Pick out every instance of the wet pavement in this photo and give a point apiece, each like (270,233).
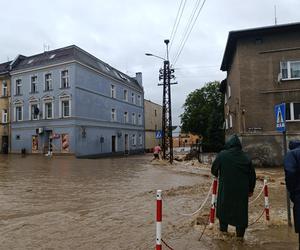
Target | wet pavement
(68,203)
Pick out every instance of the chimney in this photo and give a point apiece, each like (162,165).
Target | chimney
(139,78)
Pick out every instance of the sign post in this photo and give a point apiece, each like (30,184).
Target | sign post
(281,127)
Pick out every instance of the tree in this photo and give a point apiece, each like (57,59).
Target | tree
(204,115)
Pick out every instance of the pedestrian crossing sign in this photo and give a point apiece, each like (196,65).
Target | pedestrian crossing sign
(280,117)
(158,134)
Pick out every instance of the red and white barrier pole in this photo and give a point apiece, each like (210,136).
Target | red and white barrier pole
(213,202)
(158,219)
(267,207)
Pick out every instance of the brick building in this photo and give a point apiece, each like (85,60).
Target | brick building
(263,69)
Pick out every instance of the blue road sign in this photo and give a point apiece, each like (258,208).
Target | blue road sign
(280,117)
(158,134)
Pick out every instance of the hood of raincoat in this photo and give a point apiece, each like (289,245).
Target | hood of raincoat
(294,144)
(233,142)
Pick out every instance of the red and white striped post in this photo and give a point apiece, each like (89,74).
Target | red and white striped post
(266,192)
(158,219)
(213,202)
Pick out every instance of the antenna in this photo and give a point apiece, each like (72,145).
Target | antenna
(275,13)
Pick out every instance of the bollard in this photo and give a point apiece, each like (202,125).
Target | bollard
(266,192)
(213,202)
(158,219)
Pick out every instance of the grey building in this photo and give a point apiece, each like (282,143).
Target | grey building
(68,101)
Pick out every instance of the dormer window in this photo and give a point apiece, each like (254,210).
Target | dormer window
(52,56)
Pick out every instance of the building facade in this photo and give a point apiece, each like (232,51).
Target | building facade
(263,70)
(68,101)
(153,121)
(5,107)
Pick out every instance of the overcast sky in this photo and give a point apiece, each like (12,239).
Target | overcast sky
(120,32)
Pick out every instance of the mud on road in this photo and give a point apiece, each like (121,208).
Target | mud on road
(67,203)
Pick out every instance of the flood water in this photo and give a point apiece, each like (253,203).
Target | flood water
(67,203)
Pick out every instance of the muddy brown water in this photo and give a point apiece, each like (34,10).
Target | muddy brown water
(68,203)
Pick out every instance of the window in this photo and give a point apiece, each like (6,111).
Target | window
(225,98)
(140,119)
(33,85)
(48,82)
(34,111)
(4,116)
(65,108)
(48,110)
(290,70)
(140,140)
(18,87)
(65,79)
(229,91)
(133,98)
(139,99)
(113,115)
(113,93)
(292,111)
(133,140)
(226,123)
(4,88)
(133,118)
(18,113)
(230,121)
(125,95)
(126,117)
(155,112)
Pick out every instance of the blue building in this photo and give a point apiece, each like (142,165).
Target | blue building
(68,101)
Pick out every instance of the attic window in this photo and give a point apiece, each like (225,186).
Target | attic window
(123,77)
(52,56)
(107,68)
(30,61)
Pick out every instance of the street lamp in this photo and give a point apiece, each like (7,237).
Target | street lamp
(165,74)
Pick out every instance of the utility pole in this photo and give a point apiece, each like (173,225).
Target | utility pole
(166,74)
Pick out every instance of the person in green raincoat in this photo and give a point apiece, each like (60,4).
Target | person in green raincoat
(236,184)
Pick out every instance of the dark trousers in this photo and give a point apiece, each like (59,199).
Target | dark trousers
(240,231)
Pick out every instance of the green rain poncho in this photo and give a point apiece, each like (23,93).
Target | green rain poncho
(236,180)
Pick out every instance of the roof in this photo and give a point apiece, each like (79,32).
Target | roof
(71,53)
(4,68)
(233,36)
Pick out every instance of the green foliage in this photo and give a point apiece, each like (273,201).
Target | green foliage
(203,115)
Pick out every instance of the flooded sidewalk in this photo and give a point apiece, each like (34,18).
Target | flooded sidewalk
(68,203)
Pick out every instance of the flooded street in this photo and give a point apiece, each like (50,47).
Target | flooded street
(67,203)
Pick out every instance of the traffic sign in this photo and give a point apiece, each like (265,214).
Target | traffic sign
(280,117)
(158,134)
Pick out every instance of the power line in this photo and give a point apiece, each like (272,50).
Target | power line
(190,31)
(176,24)
(197,3)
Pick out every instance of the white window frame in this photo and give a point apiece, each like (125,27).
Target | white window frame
(229,90)
(125,95)
(292,114)
(18,90)
(133,140)
(230,121)
(226,123)
(125,117)
(113,115)
(16,113)
(140,139)
(140,119)
(4,116)
(112,91)
(64,79)
(63,115)
(48,82)
(33,82)
(44,109)
(4,88)
(133,117)
(288,68)
(31,111)
(133,98)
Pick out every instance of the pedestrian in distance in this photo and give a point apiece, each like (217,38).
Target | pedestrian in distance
(156,152)
(237,180)
(292,180)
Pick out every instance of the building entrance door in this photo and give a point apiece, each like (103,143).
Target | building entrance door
(113,143)
(126,144)
(5,144)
